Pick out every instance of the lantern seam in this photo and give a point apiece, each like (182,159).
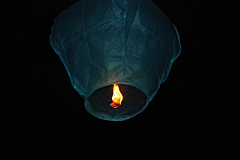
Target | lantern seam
(89,52)
(124,46)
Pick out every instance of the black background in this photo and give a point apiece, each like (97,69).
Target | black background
(193,115)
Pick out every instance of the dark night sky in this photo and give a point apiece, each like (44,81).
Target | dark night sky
(192,115)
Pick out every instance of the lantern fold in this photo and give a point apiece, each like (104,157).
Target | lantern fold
(127,42)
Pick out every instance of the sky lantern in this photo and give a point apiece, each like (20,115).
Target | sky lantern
(116,53)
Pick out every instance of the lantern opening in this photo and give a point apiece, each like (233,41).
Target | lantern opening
(98,103)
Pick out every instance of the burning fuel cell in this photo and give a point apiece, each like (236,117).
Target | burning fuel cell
(116,53)
(117,97)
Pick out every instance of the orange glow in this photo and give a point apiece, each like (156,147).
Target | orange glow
(117,97)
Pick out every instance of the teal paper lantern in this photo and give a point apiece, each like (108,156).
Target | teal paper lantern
(131,43)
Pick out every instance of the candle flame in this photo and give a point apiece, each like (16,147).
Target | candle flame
(117,97)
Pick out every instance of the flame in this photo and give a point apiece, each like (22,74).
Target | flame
(117,97)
